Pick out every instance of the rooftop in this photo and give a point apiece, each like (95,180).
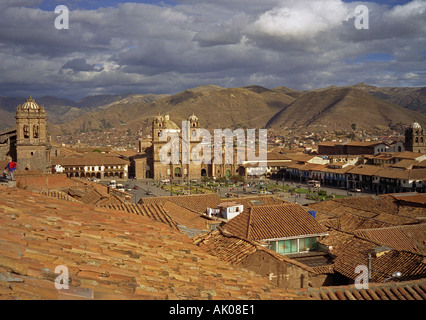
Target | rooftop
(406,290)
(110,254)
(274,221)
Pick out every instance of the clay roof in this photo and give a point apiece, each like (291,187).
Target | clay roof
(109,254)
(234,249)
(274,221)
(365,169)
(156,212)
(354,252)
(406,290)
(185,217)
(363,212)
(248,202)
(197,203)
(410,197)
(410,238)
(89,161)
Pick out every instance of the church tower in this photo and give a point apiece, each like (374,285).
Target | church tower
(415,138)
(32,143)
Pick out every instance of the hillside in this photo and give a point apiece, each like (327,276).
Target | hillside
(248,107)
(339,108)
(410,98)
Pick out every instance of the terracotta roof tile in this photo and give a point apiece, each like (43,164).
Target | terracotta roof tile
(354,251)
(275,221)
(197,203)
(406,290)
(408,237)
(109,254)
(234,249)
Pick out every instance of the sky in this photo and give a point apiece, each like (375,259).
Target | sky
(144,46)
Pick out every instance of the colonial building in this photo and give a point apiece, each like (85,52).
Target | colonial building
(29,144)
(99,166)
(415,138)
(150,163)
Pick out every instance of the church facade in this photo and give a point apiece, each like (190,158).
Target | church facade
(150,163)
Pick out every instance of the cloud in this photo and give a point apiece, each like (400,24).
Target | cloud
(163,49)
(80,64)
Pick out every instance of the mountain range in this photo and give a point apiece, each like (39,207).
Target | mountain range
(334,107)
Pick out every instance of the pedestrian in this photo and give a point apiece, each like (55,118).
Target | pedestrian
(11,166)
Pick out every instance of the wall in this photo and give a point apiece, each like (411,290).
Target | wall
(284,274)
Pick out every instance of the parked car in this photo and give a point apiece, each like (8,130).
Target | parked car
(165,180)
(136,187)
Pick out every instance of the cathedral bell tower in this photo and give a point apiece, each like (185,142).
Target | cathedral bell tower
(32,143)
(415,138)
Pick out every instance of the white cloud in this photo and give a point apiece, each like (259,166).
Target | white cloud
(302,18)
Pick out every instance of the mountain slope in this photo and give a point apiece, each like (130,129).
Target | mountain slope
(339,108)
(216,107)
(410,98)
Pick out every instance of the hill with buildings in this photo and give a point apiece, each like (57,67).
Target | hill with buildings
(254,106)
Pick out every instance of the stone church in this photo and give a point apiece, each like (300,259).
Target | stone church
(148,163)
(28,145)
(415,138)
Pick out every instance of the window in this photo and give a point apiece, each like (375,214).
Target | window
(35,131)
(294,245)
(284,246)
(26,131)
(307,244)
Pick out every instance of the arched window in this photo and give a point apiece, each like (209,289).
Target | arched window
(35,131)
(26,131)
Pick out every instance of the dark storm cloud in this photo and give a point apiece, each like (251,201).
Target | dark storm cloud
(80,64)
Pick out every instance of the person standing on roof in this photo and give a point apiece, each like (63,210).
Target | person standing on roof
(11,166)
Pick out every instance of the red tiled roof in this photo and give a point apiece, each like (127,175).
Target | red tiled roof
(197,203)
(406,290)
(234,249)
(410,238)
(354,252)
(274,221)
(109,254)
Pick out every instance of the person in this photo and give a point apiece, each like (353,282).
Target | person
(11,166)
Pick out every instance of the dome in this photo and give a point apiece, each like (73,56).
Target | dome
(415,125)
(159,118)
(193,118)
(30,104)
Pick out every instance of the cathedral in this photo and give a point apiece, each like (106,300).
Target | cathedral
(28,145)
(149,164)
(415,138)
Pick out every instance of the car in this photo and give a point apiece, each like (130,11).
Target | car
(254,191)
(149,192)
(165,180)
(136,187)
(356,190)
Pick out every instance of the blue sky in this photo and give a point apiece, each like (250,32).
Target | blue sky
(168,46)
(95,4)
